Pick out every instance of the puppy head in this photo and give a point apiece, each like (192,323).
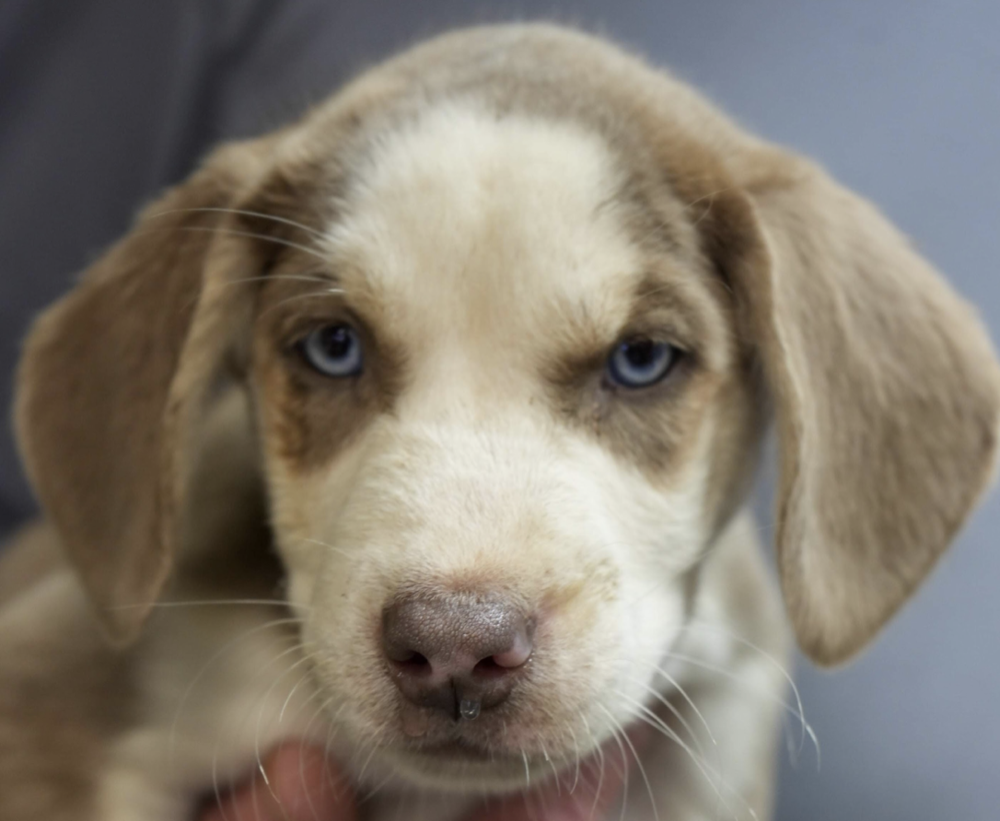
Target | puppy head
(507,308)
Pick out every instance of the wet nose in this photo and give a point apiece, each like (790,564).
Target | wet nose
(455,652)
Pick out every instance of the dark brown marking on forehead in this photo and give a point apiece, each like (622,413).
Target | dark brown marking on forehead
(289,210)
(689,305)
(649,210)
(301,193)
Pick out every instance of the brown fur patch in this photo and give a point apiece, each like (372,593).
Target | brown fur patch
(654,428)
(314,416)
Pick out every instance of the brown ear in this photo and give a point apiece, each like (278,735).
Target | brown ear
(886,392)
(109,378)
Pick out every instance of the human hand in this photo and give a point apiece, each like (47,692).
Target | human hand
(302,785)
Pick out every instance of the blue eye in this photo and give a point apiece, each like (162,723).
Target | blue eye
(638,363)
(333,350)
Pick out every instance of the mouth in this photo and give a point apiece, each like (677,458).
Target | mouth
(489,756)
(458,765)
(460,751)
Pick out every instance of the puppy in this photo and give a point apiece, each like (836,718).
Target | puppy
(429,422)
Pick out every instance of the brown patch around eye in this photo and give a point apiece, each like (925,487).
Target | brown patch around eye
(654,430)
(652,427)
(296,422)
(310,417)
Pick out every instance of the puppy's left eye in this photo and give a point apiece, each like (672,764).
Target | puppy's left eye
(641,362)
(333,350)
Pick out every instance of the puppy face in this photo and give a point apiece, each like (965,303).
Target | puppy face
(486,447)
(489,434)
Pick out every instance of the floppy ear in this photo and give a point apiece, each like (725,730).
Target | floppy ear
(886,392)
(112,377)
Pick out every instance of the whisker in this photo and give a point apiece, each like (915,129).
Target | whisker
(305,735)
(260,711)
(576,752)
(683,693)
(238,730)
(331,735)
(717,628)
(642,772)
(807,728)
(371,755)
(698,625)
(248,234)
(370,795)
(298,646)
(614,727)
(335,549)
(302,741)
(677,713)
(242,212)
(328,292)
(601,763)
(552,765)
(707,771)
(303,277)
(205,603)
(291,693)
(270,625)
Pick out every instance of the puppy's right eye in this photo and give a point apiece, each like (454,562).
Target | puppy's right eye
(639,363)
(333,350)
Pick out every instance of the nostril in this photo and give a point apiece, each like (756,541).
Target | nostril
(488,667)
(509,660)
(413,663)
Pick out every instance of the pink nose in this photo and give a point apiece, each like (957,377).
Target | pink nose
(456,652)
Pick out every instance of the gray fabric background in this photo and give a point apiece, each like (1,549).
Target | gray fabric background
(102,102)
